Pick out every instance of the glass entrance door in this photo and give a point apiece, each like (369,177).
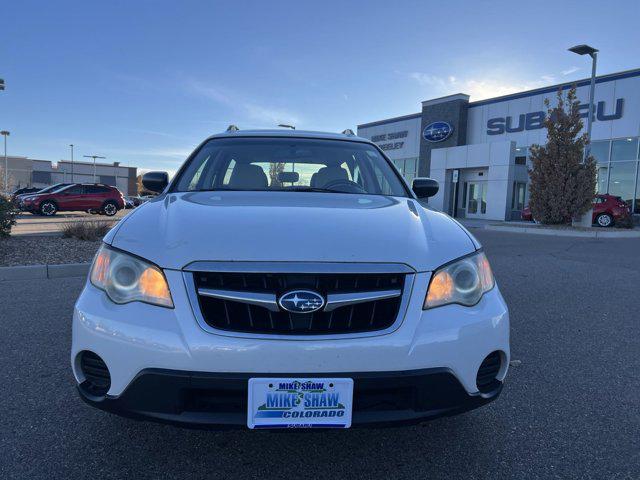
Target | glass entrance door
(476,199)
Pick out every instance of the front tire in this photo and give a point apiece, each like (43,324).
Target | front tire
(604,220)
(48,209)
(110,209)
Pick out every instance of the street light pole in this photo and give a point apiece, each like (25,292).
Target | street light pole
(587,219)
(94,164)
(593,53)
(71,145)
(592,106)
(5,134)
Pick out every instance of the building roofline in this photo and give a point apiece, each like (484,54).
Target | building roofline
(82,162)
(390,120)
(448,98)
(609,77)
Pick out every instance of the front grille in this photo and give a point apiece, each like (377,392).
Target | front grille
(371,393)
(237,316)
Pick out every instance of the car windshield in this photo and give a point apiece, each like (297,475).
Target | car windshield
(61,188)
(52,188)
(289,164)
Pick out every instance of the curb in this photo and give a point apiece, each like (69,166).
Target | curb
(35,272)
(596,233)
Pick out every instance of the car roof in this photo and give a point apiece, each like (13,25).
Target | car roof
(287,133)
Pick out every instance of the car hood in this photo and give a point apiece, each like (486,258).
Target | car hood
(176,229)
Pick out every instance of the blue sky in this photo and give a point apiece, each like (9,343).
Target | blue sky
(143,82)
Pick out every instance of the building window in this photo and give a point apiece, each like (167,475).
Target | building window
(521,155)
(602,177)
(600,151)
(408,168)
(519,195)
(624,149)
(622,180)
(464,195)
(41,177)
(618,169)
(108,180)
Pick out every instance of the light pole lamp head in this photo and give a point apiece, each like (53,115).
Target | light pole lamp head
(584,50)
(5,133)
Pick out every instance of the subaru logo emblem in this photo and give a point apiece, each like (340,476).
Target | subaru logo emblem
(437,131)
(301,301)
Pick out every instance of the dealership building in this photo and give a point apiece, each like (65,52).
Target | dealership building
(479,151)
(31,172)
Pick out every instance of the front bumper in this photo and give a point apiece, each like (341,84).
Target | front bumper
(140,343)
(198,399)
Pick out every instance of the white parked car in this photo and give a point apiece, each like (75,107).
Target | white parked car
(288,279)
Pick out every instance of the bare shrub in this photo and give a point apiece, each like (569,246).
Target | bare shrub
(86,229)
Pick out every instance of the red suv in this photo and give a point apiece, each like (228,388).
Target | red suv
(607,210)
(93,197)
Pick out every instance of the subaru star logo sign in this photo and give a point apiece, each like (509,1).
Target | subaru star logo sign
(301,301)
(437,131)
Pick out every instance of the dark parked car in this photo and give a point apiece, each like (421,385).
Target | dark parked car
(22,191)
(93,197)
(19,198)
(607,210)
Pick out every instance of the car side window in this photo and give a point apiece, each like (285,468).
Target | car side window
(227,175)
(95,189)
(195,181)
(75,190)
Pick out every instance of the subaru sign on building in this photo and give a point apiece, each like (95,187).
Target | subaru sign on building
(487,144)
(437,131)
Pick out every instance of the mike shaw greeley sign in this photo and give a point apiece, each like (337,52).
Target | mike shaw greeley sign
(392,140)
(534,120)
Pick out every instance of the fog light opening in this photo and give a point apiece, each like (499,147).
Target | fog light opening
(486,380)
(97,379)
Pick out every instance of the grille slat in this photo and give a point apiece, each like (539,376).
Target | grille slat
(233,315)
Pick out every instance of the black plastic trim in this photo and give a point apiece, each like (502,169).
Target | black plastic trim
(163,396)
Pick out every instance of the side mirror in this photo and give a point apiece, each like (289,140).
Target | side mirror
(425,187)
(155,181)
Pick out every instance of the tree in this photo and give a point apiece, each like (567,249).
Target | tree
(7,216)
(275,169)
(563,182)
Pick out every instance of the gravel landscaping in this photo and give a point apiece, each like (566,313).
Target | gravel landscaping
(36,250)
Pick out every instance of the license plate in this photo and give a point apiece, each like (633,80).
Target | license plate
(300,402)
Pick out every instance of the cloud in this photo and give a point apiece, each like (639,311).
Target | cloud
(569,71)
(476,88)
(244,108)
(431,80)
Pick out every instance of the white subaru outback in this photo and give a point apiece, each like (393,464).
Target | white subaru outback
(289,279)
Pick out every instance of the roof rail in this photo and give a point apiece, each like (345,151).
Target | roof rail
(232,128)
(348,131)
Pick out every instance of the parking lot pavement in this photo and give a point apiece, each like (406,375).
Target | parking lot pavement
(570,409)
(28,224)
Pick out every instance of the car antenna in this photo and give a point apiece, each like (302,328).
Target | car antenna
(284,125)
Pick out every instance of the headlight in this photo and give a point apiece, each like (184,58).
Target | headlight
(463,281)
(126,278)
